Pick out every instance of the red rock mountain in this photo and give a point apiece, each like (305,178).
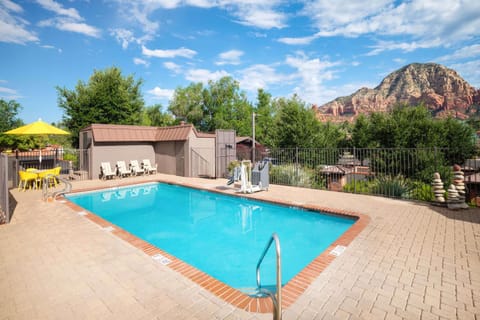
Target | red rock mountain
(439,88)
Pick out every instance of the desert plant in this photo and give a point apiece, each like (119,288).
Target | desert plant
(391,186)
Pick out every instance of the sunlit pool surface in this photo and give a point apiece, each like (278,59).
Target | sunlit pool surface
(221,235)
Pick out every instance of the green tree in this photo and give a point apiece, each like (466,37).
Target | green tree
(153,116)
(295,125)
(219,106)
(9,120)
(226,107)
(187,104)
(265,118)
(108,97)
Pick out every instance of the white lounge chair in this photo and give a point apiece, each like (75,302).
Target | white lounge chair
(135,168)
(147,166)
(122,170)
(106,171)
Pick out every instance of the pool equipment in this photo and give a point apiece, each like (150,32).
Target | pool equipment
(252,180)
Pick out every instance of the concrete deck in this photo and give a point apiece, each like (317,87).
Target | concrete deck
(411,261)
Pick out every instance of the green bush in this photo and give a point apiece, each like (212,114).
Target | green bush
(291,175)
(359,186)
(391,186)
(421,191)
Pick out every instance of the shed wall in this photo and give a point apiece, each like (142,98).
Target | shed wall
(113,152)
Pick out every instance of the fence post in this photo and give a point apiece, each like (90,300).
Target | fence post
(354,171)
(296,164)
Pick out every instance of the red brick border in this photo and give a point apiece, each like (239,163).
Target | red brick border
(290,292)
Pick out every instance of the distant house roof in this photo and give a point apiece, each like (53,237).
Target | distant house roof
(336,170)
(129,133)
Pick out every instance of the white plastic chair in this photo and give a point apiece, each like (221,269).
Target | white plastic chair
(147,166)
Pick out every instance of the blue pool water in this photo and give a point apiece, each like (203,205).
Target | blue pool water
(221,235)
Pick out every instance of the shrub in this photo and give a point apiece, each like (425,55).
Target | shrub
(421,191)
(359,186)
(291,175)
(391,186)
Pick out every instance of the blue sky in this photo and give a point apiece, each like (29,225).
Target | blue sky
(319,49)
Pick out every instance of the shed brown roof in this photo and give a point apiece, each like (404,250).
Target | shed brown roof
(115,133)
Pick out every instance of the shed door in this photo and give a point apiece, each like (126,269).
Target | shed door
(180,159)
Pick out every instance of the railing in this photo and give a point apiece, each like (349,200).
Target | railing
(53,195)
(276,299)
(395,172)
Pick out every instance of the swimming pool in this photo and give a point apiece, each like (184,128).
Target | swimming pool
(219,234)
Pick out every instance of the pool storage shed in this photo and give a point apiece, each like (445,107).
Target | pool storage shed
(180,150)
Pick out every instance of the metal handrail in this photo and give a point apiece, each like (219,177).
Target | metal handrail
(45,193)
(277,300)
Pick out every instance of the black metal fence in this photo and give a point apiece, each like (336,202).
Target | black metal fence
(398,173)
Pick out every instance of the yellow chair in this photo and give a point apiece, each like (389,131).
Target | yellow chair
(26,178)
(50,175)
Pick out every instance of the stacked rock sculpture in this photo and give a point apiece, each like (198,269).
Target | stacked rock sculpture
(458,181)
(437,186)
(452,194)
(456,191)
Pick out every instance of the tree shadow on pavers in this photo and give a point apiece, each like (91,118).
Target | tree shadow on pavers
(471,215)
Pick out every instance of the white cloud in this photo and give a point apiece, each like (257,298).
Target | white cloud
(382,46)
(66,19)
(259,14)
(8,93)
(158,53)
(204,75)
(161,94)
(312,73)
(229,57)
(78,27)
(421,23)
(261,76)
(297,41)
(172,66)
(58,9)
(469,71)
(123,36)
(463,53)
(14,29)
(139,61)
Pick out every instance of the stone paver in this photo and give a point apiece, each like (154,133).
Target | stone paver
(412,261)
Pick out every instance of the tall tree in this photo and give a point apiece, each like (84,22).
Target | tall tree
(264,120)
(295,125)
(108,97)
(187,104)
(153,116)
(226,107)
(9,120)
(221,105)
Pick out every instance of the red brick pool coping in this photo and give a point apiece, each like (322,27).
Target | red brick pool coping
(290,292)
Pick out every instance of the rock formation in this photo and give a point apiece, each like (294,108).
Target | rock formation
(456,191)
(439,88)
(437,186)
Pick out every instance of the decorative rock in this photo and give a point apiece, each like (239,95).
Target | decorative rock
(456,191)
(437,188)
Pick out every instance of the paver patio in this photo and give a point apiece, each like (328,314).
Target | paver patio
(412,261)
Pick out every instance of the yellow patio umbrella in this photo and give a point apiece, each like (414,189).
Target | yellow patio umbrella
(38,128)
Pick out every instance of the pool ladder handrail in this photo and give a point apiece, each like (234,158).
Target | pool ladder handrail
(53,195)
(276,298)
